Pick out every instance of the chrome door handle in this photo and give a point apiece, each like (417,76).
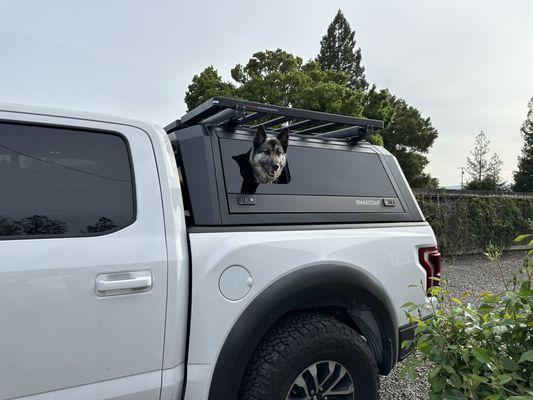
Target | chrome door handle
(123,283)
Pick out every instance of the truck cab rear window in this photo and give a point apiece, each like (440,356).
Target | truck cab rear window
(63,182)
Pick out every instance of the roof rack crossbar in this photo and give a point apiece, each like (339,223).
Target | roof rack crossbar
(198,114)
(352,133)
(227,116)
(301,124)
(251,117)
(317,129)
(221,117)
(274,122)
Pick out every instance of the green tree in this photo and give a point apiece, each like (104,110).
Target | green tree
(278,77)
(523,178)
(270,77)
(409,137)
(206,85)
(377,105)
(484,169)
(486,183)
(338,52)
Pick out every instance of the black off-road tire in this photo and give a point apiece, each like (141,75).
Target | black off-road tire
(297,342)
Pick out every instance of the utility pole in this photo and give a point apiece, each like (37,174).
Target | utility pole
(462,177)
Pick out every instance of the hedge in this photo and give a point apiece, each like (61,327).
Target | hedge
(466,221)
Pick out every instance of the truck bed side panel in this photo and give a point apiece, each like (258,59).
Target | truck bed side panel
(387,254)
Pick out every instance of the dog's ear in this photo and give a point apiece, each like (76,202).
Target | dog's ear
(260,136)
(283,138)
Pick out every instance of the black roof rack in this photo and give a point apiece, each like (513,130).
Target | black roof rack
(222,111)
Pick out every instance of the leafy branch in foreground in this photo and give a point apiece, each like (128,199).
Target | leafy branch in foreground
(481,349)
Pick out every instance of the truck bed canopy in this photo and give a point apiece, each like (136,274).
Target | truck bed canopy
(332,175)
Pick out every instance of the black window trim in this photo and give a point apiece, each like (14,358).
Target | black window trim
(79,129)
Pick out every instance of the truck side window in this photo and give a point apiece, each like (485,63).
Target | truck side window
(63,182)
(314,171)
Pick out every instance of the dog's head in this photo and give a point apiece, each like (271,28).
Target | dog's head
(268,157)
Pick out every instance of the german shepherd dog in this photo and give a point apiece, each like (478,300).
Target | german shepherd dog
(265,161)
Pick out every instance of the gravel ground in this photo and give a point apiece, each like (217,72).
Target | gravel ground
(471,273)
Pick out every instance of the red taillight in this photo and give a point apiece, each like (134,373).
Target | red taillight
(430,259)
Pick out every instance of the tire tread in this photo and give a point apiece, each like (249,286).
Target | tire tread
(293,333)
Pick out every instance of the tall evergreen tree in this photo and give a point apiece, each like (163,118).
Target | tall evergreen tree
(523,178)
(338,52)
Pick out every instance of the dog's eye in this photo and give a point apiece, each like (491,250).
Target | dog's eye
(267,152)
(278,152)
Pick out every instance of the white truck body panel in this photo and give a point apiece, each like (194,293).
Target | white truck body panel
(387,254)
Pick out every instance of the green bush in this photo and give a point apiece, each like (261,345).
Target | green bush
(482,350)
(467,223)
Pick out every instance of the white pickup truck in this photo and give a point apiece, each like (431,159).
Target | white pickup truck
(134,267)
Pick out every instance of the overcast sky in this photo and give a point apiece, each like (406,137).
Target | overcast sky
(466,64)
